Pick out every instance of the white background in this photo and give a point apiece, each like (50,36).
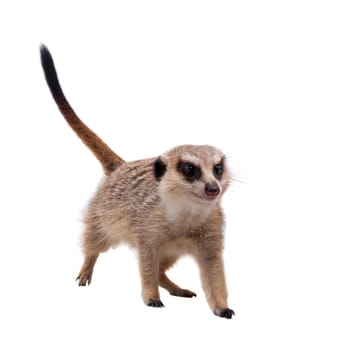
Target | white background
(268,82)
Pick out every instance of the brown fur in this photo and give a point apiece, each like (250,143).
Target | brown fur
(154,207)
(102,152)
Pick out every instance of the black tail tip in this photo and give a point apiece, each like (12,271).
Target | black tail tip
(45,54)
(43,47)
(50,72)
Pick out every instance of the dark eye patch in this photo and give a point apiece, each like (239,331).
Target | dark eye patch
(190,171)
(218,170)
(159,169)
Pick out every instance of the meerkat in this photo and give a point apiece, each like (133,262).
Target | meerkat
(164,207)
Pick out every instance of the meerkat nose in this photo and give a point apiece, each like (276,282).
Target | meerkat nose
(212,189)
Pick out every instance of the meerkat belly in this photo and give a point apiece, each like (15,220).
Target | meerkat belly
(177,247)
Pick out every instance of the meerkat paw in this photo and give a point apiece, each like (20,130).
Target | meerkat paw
(155,303)
(185,293)
(84,279)
(225,313)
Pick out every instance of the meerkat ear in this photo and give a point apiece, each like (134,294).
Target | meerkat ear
(159,168)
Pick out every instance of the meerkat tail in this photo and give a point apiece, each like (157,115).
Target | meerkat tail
(102,152)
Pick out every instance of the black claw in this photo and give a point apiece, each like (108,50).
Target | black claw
(83,283)
(155,303)
(225,313)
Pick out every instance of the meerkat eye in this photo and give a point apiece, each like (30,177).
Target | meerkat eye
(218,169)
(190,171)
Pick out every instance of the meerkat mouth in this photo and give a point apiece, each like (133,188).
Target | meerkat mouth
(205,198)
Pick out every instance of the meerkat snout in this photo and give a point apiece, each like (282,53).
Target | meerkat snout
(212,189)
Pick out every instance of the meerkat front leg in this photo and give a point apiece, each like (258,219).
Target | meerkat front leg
(213,280)
(149,270)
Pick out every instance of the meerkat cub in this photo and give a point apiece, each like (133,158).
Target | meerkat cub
(164,207)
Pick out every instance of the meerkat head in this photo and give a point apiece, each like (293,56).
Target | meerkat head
(193,173)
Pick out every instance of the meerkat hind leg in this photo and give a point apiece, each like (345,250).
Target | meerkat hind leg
(85,274)
(94,243)
(174,289)
(170,286)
